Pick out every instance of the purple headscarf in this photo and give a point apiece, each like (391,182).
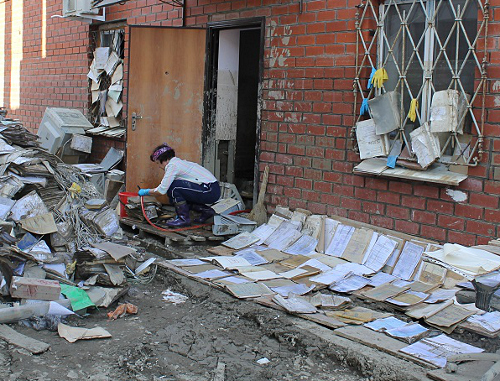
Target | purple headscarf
(156,154)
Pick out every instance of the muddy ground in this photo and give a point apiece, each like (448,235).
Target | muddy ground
(186,341)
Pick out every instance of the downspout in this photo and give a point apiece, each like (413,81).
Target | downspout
(184,13)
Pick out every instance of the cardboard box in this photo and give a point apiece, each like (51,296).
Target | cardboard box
(31,288)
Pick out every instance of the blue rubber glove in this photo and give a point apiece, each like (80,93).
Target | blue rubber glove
(370,84)
(144,192)
(364,107)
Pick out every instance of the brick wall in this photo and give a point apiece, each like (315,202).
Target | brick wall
(307,112)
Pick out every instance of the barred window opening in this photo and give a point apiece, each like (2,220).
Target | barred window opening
(433,52)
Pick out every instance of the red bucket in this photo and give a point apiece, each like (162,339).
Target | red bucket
(123,201)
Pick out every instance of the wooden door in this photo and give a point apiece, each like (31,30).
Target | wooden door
(165,98)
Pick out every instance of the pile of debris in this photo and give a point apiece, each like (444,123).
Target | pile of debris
(56,233)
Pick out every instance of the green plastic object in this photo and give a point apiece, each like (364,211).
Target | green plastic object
(78,297)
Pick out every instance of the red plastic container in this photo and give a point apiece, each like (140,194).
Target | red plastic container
(123,201)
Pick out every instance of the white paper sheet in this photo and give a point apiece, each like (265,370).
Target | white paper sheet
(186,262)
(304,245)
(297,289)
(441,295)
(355,268)
(212,274)
(250,254)
(316,264)
(380,253)
(263,232)
(381,278)
(383,324)
(475,261)
(329,277)
(230,262)
(408,260)
(437,349)
(340,240)
(349,284)
(490,321)
(407,331)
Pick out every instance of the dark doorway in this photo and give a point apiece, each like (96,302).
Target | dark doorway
(232,120)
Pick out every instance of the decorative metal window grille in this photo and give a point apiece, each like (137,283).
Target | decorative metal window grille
(426,46)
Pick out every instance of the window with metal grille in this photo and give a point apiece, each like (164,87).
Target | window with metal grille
(427,48)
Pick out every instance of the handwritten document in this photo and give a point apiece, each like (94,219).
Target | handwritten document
(380,253)
(340,240)
(408,260)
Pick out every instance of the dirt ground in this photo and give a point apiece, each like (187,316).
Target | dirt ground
(187,341)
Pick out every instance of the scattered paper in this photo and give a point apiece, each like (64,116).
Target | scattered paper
(381,278)
(186,262)
(409,332)
(248,290)
(384,291)
(294,305)
(340,240)
(408,260)
(251,255)
(174,297)
(73,334)
(241,240)
(297,289)
(304,245)
(263,361)
(212,274)
(227,262)
(349,284)
(380,253)
(384,324)
(490,321)
(437,349)
(40,224)
(328,277)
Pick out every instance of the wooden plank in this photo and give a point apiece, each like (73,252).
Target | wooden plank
(20,340)
(164,264)
(171,236)
(379,341)
(323,320)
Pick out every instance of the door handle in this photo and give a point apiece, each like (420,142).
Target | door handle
(134,119)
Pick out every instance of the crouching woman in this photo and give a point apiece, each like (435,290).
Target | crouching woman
(188,185)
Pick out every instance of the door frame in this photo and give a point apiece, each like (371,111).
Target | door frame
(209,102)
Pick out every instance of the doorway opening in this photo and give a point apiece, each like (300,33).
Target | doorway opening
(232,120)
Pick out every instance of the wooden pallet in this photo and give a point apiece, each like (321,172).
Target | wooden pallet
(197,235)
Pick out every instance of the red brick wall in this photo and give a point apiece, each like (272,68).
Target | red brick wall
(306,114)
